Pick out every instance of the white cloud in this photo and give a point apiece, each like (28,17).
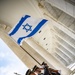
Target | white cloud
(11,63)
(2,55)
(11,68)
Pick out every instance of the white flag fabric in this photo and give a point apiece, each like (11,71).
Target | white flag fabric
(26,27)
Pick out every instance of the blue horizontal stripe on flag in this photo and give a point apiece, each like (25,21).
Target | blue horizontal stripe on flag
(18,25)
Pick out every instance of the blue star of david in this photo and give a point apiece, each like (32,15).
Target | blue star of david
(27,27)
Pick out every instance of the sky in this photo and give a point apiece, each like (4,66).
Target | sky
(9,62)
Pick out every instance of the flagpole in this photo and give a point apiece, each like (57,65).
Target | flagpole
(30,55)
(26,23)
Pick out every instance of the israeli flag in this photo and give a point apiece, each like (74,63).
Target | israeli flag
(26,27)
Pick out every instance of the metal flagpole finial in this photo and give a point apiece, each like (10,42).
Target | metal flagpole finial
(16,73)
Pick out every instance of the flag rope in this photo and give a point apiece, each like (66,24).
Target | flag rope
(30,55)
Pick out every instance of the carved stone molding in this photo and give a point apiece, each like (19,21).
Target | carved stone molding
(5,27)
